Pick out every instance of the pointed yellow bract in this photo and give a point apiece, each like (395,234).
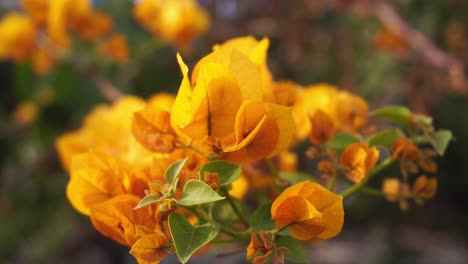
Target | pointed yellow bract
(117,218)
(151,248)
(17,37)
(225,103)
(310,210)
(152,128)
(359,159)
(179,22)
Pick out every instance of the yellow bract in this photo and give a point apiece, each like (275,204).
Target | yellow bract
(224,102)
(151,248)
(17,37)
(359,159)
(311,210)
(179,22)
(348,112)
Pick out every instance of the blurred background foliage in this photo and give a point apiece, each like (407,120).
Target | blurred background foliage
(342,42)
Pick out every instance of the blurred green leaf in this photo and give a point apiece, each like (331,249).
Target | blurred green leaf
(261,218)
(395,113)
(341,140)
(296,177)
(384,138)
(441,140)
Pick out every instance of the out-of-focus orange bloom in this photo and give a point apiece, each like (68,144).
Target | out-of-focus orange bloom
(106,129)
(179,22)
(151,248)
(404,149)
(152,127)
(117,218)
(226,105)
(43,61)
(310,209)
(116,47)
(359,159)
(25,113)
(64,15)
(322,127)
(425,187)
(37,10)
(348,112)
(17,37)
(239,188)
(384,39)
(93,25)
(392,188)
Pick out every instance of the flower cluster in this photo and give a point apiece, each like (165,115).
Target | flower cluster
(168,174)
(45,31)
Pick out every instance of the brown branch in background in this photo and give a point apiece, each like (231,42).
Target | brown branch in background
(418,41)
(104,86)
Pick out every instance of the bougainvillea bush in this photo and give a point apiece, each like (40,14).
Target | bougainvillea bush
(235,157)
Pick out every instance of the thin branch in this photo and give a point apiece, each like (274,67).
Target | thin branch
(433,55)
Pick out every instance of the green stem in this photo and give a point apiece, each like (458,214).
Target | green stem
(372,191)
(356,187)
(272,167)
(234,207)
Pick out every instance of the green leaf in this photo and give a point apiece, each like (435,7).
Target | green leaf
(395,113)
(197,192)
(187,238)
(384,138)
(296,177)
(173,171)
(261,218)
(228,172)
(441,140)
(222,212)
(341,140)
(298,253)
(149,199)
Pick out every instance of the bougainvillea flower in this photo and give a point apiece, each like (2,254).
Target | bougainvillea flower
(152,127)
(97,177)
(359,159)
(349,112)
(392,188)
(43,61)
(322,127)
(179,22)
(116,47)
(64,15)
(36,9)
(151,248)
(310,210)
(404,149)
(227,106)
(425,187)
(93,25)
(251,52)
(262,130)
(117,218)
(17,37)
(106,129)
